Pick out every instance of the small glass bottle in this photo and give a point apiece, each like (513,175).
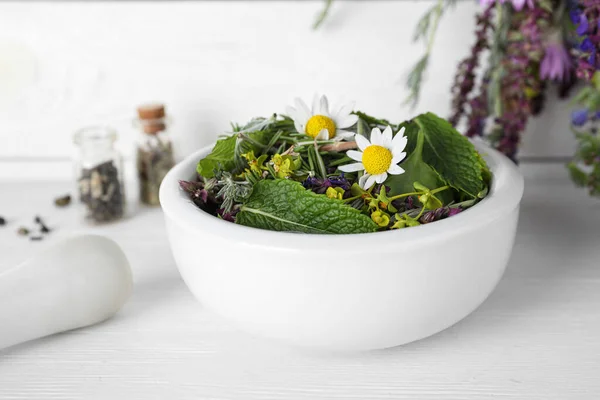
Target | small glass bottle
(99,171)
(154,151)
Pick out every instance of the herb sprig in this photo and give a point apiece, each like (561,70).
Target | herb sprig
(266,174)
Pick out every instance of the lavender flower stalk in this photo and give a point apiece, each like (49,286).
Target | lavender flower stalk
(521,83)
(556,64)
(585,14)
(517,4)
(466,75)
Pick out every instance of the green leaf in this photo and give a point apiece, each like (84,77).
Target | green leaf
(227,153)
(486,174)
(416,169)
(284,205)
(222,156)
(579,177)
(450,154)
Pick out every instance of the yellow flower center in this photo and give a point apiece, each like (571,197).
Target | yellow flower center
(317,123)
(376,159)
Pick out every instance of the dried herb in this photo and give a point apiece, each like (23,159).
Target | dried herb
(101,192)
(62,201)
(154,160)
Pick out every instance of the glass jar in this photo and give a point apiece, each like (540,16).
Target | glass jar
(99,172)
(154,151)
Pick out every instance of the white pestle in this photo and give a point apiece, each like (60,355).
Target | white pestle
(78,282)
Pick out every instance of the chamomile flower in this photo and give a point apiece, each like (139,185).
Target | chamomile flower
(319,123)
(378,157)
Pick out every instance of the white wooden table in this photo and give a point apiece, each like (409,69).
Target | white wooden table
(536,337)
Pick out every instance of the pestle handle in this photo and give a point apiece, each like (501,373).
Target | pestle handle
(78,282)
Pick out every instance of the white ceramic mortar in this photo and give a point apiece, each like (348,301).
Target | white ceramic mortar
(345,292)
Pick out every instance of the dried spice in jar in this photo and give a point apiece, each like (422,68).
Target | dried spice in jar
(99,174)
(154,151)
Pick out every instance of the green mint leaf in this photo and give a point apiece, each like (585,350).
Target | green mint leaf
(221,156)
(416,169)
(450,154)
(285,205)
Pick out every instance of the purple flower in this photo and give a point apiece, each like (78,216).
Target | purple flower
(320,186)
(227,216)
(575,15)
(517,4)
(579,117)
(586,45)
(454,211)
(583,26)
(195,190)
(556,64)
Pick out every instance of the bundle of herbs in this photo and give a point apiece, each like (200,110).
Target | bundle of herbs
(316,171)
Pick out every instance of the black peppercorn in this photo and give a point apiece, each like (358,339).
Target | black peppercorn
(2,221)
(43,228)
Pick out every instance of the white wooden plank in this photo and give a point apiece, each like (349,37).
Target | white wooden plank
(537,337)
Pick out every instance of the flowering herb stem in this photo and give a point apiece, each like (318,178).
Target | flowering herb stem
(403,195)
(319,162)
(323,14)
(440,189)
(311,160)
(426,29)
(275,183)
(420,214)
(274,139)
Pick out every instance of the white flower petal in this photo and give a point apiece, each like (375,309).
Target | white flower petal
(343,135)
(346,121)
(345,110)
(376,137)
(362,142)
(363,180)
(324,109)
(398,157)
(395,170)
(299,127)
(387,137)
(323,135)
(370,182)
(355,155)
(315,105)
(291,111)
(400,132)
(399,144)
(297,116)
(302,109)
(352,167)
(381,177)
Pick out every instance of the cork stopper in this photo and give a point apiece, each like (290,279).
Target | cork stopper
(152,118)
(151,111)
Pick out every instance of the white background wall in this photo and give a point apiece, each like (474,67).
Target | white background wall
(66,65)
